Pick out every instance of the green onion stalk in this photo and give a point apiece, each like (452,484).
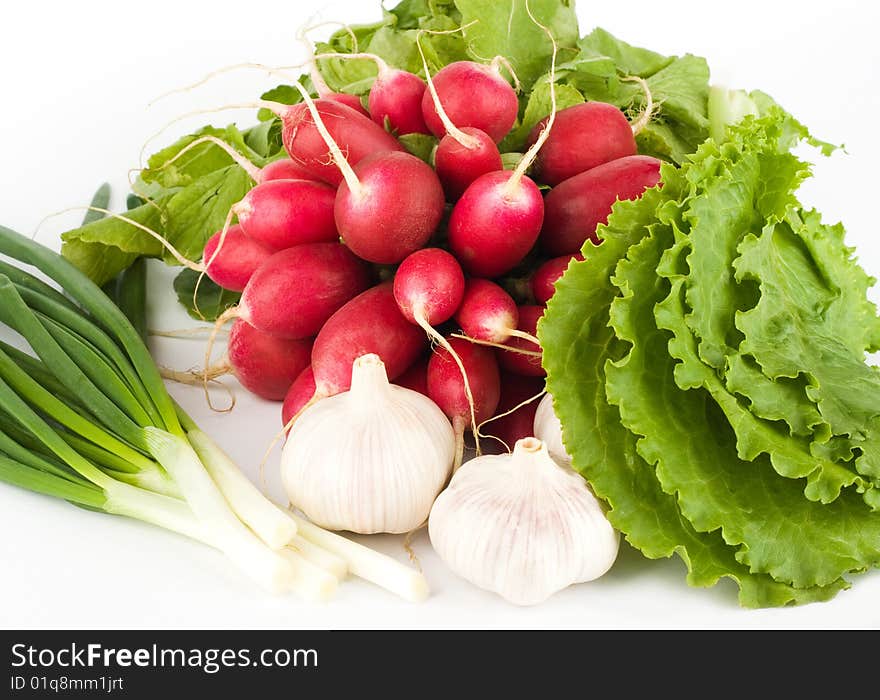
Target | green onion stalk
(86,417)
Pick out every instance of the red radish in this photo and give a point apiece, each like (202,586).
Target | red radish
(348,100)
(497,220)
(576,207)
(283,169)
(447,389)
(357,136)
(395,96)
(389,206)
(264,364)
(475,95)
(519,401)
(369,323)
(300,393)
(462,154)
(519,362)
(487,312)
(295,291)
(459,163)
(416,377)
(584,136)
(428,288)
(284,213)
(232,265)
(544,278)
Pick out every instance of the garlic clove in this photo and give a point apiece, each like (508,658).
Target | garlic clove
(521,525)
(548,429)
(371,459)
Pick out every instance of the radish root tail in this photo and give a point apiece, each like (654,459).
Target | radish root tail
(648,112)
(176,254)
(507,413)
(501,346)
(199,377)
(228,315)
(207,264)
(446,345)
(280,70)
(466,140)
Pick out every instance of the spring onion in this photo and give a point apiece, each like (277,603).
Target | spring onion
(85,416)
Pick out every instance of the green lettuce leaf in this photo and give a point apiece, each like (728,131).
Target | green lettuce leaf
(655,396)
(578,341)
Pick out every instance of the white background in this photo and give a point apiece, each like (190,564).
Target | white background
(76,79)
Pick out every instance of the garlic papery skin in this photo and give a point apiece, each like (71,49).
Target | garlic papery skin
(548,430)
(371,459)
(522,525)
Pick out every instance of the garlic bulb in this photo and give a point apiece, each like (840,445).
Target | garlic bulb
(548,429)
(371,459)
(521,525)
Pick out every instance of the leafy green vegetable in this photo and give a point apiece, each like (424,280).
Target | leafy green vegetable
(211,300)
(505,29)
(712,349)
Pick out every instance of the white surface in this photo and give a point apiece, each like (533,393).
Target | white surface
(76,80)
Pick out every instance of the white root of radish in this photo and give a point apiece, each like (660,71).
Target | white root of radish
(648,112)
(509,412)
(502,346)
(253,171)
(201,378)
(271,70)
(436,337)
(176,254)
(499,61)
(466,140)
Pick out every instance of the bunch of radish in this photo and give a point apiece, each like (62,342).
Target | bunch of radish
(353,246)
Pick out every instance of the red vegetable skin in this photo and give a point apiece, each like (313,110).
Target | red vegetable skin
(237,259)
(429,282)
(486,311)
(284,213)
(369,323)
(348,100)
(583,136)
(472,94)
(294,292)
(299,394)
(394,211)
(283,169)
(493,226)
(517,363)
(446,385)
(575,208)
(358,137)
(264,364)
(520,424)
(544,278)
(396,96)
(458,166)
(416,377)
